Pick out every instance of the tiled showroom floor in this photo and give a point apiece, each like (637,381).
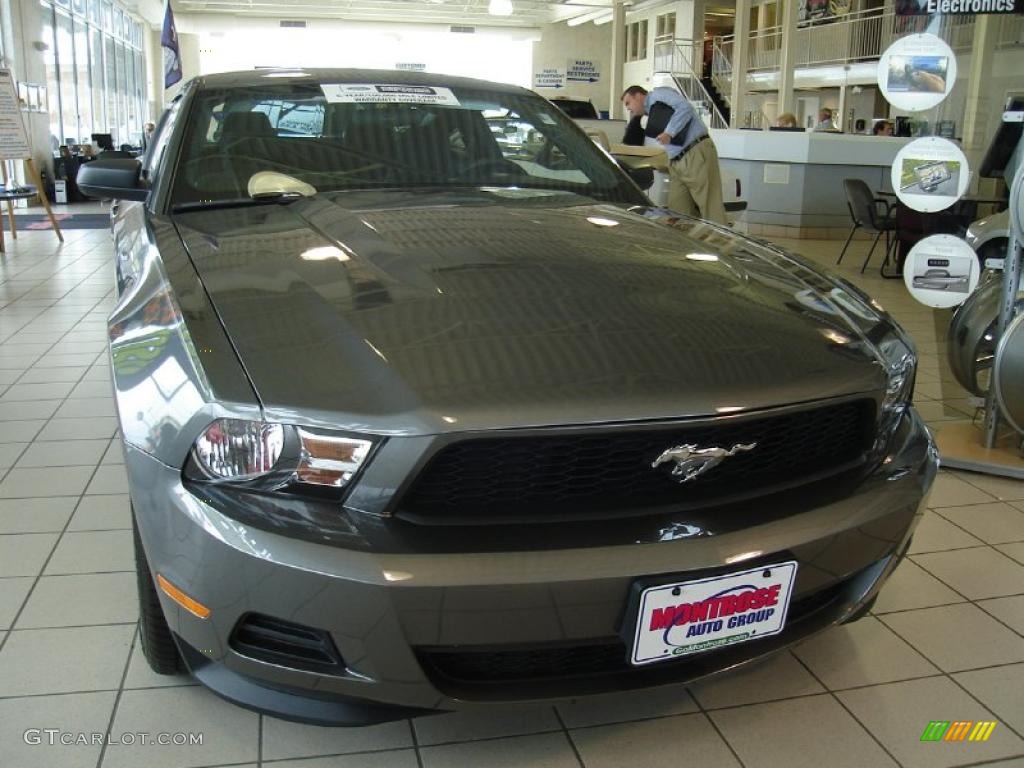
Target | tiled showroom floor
(946,641)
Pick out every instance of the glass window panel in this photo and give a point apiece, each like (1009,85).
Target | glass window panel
(118,22)
(122,97)
(78,6)
(110,84)
(52,86)
(66,66)
(99,120)
(140,89)
(132,102)
(108,16)
(85,119)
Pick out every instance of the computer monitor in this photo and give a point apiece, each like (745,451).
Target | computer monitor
(103,140)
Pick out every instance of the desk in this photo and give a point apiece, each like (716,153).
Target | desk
(23,193)
(793,181)
(912,226)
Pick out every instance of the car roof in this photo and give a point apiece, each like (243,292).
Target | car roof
(254,77)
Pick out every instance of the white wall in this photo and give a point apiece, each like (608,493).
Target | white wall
(689,26)
(559,43)
(227,43)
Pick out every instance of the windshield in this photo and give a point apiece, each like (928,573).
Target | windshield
(341,136)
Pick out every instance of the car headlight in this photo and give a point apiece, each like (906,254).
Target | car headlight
(900,361)
(891,346)
(268,456)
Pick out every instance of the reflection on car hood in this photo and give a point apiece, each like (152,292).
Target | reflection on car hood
(438,311)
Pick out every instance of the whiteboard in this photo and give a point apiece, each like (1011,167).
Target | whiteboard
(13,138)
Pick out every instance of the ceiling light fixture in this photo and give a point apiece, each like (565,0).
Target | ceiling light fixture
(500,7)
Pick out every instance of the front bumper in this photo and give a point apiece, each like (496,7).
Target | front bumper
(409,626)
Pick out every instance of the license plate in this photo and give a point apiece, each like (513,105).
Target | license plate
(692,616)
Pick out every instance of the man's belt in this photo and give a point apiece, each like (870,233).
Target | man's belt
(690,146)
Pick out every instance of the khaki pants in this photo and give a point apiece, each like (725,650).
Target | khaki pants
(695,184)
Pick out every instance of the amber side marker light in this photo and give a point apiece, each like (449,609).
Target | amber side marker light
(186,602)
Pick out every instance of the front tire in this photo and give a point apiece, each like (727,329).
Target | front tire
(158,645)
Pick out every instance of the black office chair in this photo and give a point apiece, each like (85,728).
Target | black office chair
(866,215)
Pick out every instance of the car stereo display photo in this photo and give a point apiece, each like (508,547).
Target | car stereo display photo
(929,177)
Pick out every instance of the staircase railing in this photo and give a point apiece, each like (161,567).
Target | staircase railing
(859,36)
(721,70)
(683,60)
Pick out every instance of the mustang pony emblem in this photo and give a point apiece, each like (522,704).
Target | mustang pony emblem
(692,462)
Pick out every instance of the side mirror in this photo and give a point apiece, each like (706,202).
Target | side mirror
(117,178)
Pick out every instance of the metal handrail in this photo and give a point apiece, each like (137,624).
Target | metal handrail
(679,57)
(858,36)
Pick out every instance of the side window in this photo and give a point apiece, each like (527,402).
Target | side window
(528,145)
(154,160)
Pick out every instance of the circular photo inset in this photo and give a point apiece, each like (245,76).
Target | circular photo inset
(917,72)
(941,271)
(930,174)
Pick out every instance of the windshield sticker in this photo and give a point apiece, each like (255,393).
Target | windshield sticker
(352,93)
(546,118)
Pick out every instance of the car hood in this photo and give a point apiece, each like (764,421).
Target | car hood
(400,313)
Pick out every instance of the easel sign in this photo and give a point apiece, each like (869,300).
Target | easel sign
(14,145)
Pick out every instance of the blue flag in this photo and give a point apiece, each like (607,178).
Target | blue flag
(169,44)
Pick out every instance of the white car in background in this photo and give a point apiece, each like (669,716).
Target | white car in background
(990,236)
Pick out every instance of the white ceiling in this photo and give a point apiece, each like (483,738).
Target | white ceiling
(463,12)
(527,13)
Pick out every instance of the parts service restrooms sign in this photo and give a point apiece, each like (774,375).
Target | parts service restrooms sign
(957,7)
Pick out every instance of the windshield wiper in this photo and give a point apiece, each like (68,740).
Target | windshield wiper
(238,202)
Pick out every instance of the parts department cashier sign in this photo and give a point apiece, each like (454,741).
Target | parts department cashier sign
(13,138)
(360,93)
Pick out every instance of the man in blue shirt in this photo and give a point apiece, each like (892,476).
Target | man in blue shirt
(695,184)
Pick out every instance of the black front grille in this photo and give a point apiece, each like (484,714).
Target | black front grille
(602,471)
(277,641)
(463,670)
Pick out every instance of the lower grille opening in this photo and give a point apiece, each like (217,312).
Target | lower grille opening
(277,641)
(464,670)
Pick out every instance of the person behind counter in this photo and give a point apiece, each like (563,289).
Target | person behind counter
(825,120)
(786,120)
(882,128)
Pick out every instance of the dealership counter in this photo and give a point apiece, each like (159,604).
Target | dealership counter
(793,181)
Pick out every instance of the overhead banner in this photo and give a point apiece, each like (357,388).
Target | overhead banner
(810,10)
(957,7)
(171,51)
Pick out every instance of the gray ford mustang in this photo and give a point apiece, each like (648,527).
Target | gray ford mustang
(425,406)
